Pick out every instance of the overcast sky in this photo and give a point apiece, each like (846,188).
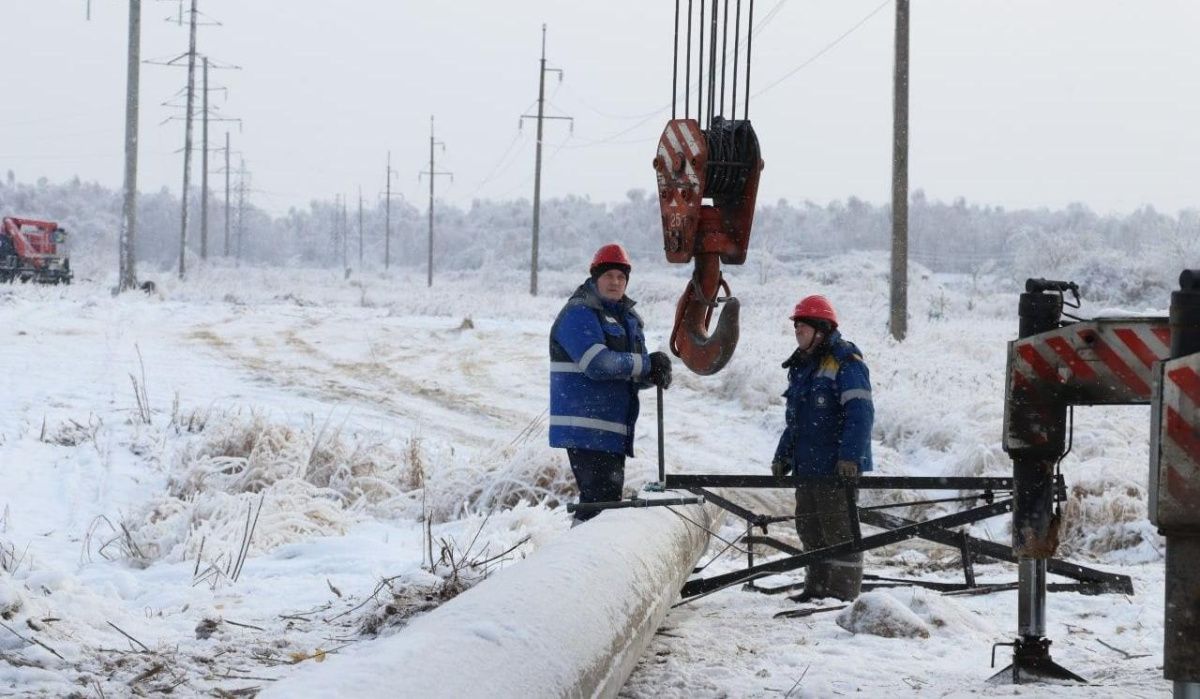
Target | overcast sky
(1014,102)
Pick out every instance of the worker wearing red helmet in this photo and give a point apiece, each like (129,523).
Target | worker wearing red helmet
(598,363)
(828,433)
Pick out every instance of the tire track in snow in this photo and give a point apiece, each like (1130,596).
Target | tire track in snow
(462,416)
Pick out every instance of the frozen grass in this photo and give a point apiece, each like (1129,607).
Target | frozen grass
(317,480)
(939,399)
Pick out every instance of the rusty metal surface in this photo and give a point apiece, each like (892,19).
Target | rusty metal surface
(680,169)
(705,353)
(1097,362)
(1035,526)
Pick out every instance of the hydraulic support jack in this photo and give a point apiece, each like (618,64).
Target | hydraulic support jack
(1053,366)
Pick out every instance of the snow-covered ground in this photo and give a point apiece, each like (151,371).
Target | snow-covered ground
(205,488)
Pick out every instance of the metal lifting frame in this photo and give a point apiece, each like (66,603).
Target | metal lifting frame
(938,530)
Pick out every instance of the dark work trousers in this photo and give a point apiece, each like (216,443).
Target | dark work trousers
(823,519)
(600,476)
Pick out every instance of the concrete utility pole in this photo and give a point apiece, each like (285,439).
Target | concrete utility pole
(241,205)
(189,114)
(360,230)
(126,272)
(187,141)
(345,237)
(537,168)
(227,173)
(433,173)
(387,219)
(204,169)
(335,235)
(899,290)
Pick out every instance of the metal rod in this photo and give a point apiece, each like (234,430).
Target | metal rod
(662,462)
(749,44)
(696,587)
(1111,581)
(727,505)
(737,30)
(724,52)
(1031,597)
(995,483)
(700,69)
(582,507)
(687,71)
(675,65)
(712,66)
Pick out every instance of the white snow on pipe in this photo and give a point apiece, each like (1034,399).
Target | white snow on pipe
(569,621)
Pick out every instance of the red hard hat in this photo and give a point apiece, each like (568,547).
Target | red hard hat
(817,307)
(611,254)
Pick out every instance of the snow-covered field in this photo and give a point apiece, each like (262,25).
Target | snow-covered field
(203,489)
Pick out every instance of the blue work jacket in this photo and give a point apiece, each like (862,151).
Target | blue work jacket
(598,363)
(829,410)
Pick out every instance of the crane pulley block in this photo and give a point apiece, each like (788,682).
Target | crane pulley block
(721,164)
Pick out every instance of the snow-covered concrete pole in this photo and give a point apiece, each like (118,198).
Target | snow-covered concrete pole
(570,621)
(127,272)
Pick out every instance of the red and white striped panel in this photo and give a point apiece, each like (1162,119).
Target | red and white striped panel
(1175,463)
(1094,362)
(682,141)
(682,152)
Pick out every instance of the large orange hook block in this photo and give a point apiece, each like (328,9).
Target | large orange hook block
(720,165)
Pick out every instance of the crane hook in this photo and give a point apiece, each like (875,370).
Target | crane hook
(705,353)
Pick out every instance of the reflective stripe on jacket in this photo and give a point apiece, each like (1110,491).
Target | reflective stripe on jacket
(829,411)
(598,362)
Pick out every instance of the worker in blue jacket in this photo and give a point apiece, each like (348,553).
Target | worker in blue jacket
(598,363)
(828,434)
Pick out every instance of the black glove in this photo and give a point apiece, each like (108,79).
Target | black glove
(780,468)
(660,370)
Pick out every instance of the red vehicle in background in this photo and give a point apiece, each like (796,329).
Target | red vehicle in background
(31,250)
